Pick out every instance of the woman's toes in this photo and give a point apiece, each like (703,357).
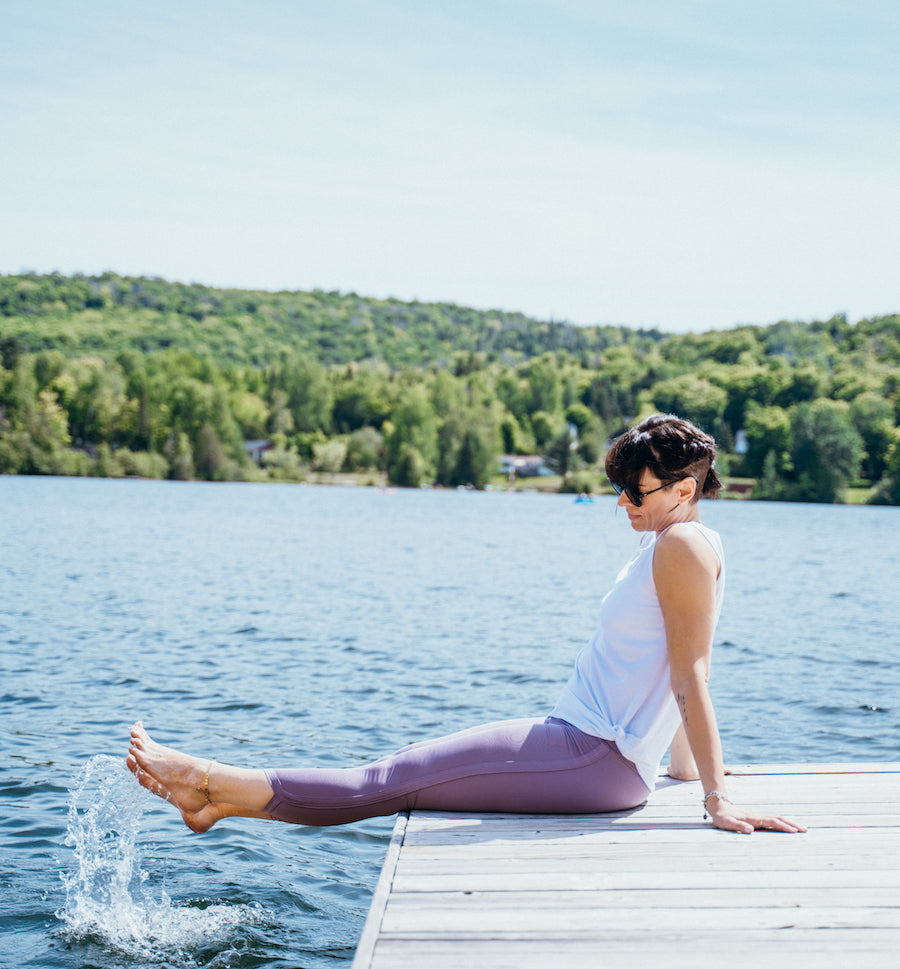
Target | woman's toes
(152,784)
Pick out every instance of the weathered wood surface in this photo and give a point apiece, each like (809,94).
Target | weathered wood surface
(518,891)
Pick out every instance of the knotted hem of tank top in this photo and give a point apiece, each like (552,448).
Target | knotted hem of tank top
(601,751)
(621,734)
(615,733)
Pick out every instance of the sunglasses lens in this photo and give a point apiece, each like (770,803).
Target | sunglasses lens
(619,489)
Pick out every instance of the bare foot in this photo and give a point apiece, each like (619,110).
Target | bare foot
(167,772)
(185,782)
(198,821)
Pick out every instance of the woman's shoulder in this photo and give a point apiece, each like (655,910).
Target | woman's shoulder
(687,542)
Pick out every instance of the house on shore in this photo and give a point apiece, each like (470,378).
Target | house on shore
(256,449)
(523,466)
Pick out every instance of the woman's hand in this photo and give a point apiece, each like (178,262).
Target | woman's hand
(729,817)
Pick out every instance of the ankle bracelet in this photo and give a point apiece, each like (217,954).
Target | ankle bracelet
(206,782)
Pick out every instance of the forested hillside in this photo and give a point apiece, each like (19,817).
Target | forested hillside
(109,313)
(115,376)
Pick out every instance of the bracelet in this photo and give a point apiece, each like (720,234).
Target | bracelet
(721,795)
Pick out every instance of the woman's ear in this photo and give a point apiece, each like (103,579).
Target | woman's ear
(686,489)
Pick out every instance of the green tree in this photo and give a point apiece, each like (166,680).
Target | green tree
(330,455)
(145,430)
(34,434)
(745,383)
(412,439)
(771,485)
(107,463)
(888,490)
(451,435)
(805,383)
(515,439)
(49,425)
(210,460)
(250,412)
(691,397)
(10,351)
(361,399)
(612,401)
(544,386)
(309,393)
(768,431)
(873,418)
(591,433)
(561,455)
(408,468)
(94,395)
(478,455)
(281,421)
(448,394)
(826,450)
(512,391)
(180,455)
(469,446)
(364,449)
(545,427)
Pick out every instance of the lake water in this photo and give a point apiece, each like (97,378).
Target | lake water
(270,625)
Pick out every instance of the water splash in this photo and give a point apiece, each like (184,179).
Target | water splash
(107,890)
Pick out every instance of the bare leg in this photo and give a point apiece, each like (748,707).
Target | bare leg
(204,791)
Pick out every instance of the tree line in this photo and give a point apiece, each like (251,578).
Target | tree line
(116,376)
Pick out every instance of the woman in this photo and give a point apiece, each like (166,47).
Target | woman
(637,688)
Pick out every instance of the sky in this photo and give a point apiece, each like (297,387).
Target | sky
(680,164)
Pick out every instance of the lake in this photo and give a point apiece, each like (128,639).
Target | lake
(267,624)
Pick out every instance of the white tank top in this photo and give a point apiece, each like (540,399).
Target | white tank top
(620,689)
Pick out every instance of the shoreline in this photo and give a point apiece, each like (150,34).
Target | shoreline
(735,489)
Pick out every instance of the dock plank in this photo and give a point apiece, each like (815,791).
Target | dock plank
(491,891)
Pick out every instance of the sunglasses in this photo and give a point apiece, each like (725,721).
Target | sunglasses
(636,497)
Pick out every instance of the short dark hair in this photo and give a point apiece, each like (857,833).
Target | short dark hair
(670,448)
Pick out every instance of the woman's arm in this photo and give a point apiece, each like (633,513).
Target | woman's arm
(685,569)
(682,765)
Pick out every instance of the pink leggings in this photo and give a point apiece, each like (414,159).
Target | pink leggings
(514,766)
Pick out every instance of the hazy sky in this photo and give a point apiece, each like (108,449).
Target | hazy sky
(686,165)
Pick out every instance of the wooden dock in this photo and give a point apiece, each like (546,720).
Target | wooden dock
(653,885)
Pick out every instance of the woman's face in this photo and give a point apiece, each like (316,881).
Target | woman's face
(661,504)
